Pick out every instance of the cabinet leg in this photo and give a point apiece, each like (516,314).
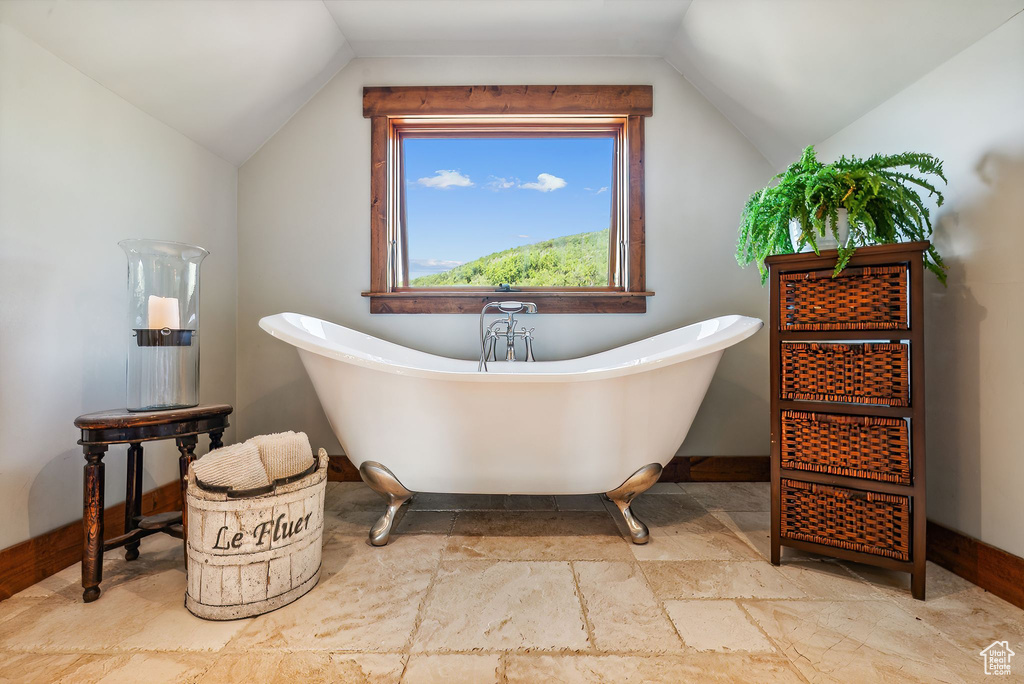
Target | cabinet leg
(187,447)
(917,584)
(775,541)
(133,497)
(216,439)
(92,523)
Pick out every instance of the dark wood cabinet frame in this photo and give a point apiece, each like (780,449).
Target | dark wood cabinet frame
(876,255)
(617,111)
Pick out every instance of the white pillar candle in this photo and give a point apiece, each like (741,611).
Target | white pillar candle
(163,313)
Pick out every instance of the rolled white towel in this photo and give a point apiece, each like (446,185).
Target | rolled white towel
(284,454)
(237,467)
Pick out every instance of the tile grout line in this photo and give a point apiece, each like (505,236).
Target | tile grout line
(503,667)
(583,607)
(217,655)
(451,529)
(757,625)
(659,600)
(743,538)
(405,666)
(418,622)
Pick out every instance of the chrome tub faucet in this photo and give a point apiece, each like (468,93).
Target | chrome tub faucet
(506,328)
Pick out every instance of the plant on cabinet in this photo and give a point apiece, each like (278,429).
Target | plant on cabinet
(877,200)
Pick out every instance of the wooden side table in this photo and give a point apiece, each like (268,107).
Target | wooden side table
(120,426)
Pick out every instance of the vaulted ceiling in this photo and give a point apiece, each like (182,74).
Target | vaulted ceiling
(229,73)
(789,73)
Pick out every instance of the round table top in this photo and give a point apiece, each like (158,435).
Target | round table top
(123,418)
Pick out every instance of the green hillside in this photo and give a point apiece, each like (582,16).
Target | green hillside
(574,260)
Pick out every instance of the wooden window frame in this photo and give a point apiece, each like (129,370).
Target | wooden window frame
(563,111)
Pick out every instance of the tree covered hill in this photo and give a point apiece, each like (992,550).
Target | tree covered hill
(579,260)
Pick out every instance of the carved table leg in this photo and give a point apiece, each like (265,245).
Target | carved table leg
(92,523)
(216,441)
(133,498)
(187,447)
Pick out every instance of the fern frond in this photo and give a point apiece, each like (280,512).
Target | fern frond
(880,194)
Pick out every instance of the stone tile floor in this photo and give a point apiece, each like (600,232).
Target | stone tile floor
(523,589)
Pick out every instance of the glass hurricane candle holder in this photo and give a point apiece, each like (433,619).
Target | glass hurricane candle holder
(163,324)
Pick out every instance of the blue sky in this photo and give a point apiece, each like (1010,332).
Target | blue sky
(470,197)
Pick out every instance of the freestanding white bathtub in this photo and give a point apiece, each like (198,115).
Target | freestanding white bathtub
(416,422)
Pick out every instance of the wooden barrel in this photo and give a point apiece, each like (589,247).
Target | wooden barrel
(249,556)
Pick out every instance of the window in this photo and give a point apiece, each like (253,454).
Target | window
(518,210)
(482,191)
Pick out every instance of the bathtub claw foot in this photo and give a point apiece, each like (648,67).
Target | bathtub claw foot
(636,484)
(384,482)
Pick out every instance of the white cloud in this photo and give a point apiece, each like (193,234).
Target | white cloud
(545,183)
(445,179)
(524,237)
(502,183)
(604,189)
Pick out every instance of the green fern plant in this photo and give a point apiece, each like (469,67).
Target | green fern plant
(882,195)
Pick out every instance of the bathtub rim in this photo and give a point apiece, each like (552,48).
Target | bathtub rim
(736,329)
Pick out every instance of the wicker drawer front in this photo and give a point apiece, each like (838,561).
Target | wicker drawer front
(850,373)
(854,446)
(868,522)
(870,298)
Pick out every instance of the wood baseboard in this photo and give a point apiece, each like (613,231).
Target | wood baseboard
(992,569)
(340,469)
(35,559)
(680,469)
(718,469)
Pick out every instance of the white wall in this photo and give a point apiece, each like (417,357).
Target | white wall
(970,113)
(81,169)
(303,222)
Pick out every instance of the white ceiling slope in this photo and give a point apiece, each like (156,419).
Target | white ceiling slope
(229,73)
(382,28)
(226,73)
(789,73)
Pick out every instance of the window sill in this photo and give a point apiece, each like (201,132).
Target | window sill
(471,302)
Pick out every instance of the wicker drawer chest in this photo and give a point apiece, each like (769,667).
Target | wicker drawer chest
(847,401)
